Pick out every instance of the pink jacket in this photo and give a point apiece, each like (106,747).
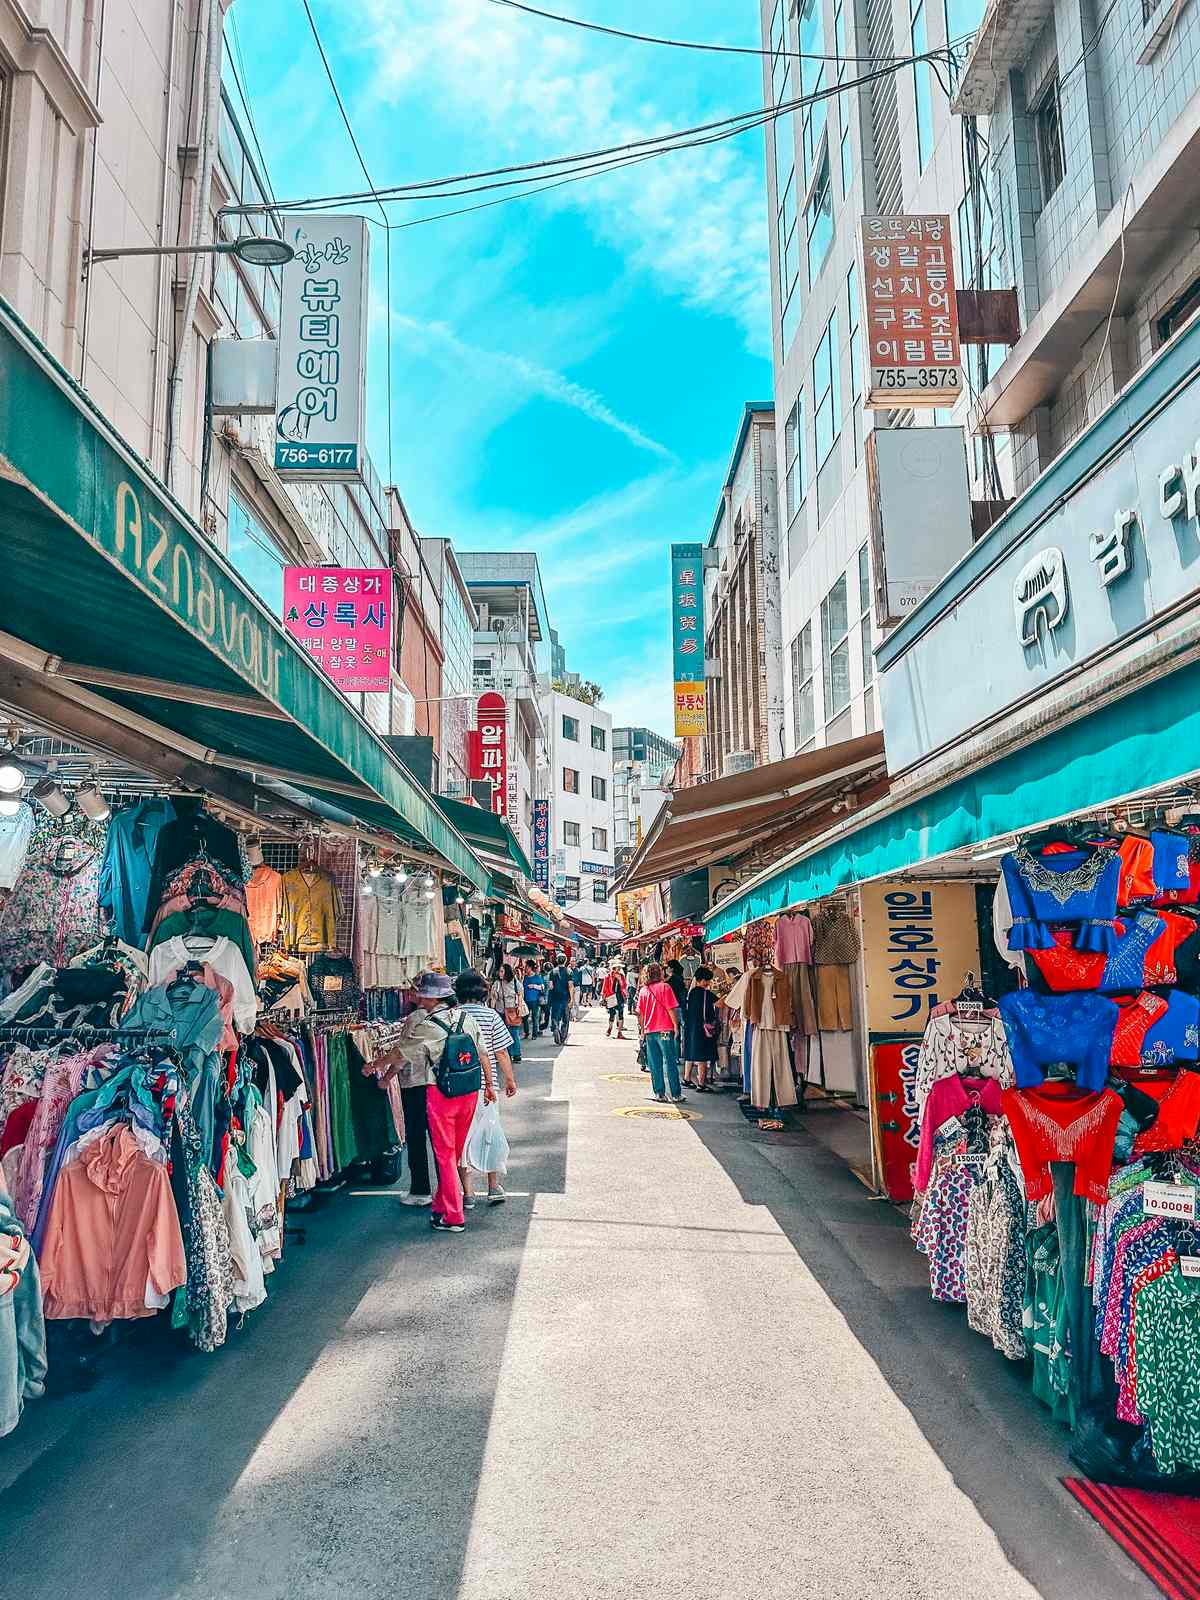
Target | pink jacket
(113,1229)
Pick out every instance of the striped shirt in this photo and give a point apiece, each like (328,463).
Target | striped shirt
(493,1029)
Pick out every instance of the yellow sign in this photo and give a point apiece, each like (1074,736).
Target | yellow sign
(690,716)
(661,1113)
(920,940)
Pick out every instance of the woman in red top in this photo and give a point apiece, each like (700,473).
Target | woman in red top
(658,1018)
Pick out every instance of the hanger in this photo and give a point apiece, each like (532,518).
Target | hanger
(971,999)
(1055,833)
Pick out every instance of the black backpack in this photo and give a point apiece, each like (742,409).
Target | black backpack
(459,1070)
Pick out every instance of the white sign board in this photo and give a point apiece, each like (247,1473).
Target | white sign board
(320,403)
(1169,1200)
(919,501)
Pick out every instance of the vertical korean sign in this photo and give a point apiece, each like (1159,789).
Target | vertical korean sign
(920,940)
(319,403)
(541,844)
(687,638)
(342,617)
(488,750)
(911,311)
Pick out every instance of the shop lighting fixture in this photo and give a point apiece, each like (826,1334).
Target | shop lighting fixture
(92,803)
(250,249)
(12,779)
(374,870)
(429,882)
(50,797)
(992,853)
(9,808)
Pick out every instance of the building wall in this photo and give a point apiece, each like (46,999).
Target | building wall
(582,811)
(97,149)
(823,522)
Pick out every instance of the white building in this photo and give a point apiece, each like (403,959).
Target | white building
(582,846)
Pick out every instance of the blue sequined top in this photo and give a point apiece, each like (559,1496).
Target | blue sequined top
(1043,1028)
(1078,886)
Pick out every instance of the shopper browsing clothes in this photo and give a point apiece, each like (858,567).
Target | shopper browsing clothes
(418,1052)
(700,1030)
(658,1018)
(487,1146)
(613,996)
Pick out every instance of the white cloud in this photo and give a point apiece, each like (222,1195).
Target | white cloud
(483,365)
(695,220)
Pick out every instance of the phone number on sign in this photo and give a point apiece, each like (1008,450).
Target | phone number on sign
(915,378)
(331,455)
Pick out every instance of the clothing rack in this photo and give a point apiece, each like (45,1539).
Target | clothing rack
(86,1034)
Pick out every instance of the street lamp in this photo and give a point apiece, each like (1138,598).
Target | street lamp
(250,248)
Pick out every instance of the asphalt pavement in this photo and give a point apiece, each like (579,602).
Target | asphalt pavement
(686,1359)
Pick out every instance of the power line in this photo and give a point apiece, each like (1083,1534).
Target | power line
(655,144)
(312,22)
(241,79)
(688,44)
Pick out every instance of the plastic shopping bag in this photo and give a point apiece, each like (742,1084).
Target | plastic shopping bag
(487,1145)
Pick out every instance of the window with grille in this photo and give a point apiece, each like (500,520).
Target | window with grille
(835,649)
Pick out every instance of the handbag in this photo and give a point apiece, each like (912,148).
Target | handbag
(610,1002)
(512,1015)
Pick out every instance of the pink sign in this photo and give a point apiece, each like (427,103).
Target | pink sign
(343,617)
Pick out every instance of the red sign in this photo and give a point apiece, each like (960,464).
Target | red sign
(911,311)
(487,750)
(342,617)
(894,1077)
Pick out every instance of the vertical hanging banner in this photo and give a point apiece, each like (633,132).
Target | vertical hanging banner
(911,311)
(342,617)
(319,403)
(541,844)
(687,638)
(488,750)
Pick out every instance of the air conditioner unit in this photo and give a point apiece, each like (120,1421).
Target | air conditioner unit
(737,761)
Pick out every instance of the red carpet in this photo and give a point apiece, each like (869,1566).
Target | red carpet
(1160,1532)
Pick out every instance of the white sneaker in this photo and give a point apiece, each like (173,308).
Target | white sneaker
(416,1199)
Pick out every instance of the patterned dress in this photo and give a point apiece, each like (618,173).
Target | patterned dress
(939,1227)
(53,911)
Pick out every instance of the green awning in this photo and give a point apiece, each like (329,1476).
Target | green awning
(485,831)
(1149,739)
(116,589)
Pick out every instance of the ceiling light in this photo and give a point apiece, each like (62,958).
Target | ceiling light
(92,803)
(429,881)
(50,797)
(9,808)
(12,779)
(374,870)
(401,874)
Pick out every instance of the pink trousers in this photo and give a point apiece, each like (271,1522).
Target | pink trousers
(449,1125)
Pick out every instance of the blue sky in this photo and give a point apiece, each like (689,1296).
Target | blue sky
(569,369)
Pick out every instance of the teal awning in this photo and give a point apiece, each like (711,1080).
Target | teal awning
(484,830)
(113,589)
(1146,740)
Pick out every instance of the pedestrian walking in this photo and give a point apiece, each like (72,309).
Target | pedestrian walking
(674,975)
(487,1146)
(414,1060)
(534,988)
(587,983)
(700,1029)
(562,998)
(658,1018)
(612,995)
(507,998)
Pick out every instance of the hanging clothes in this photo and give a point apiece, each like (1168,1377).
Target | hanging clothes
(264,902)
(53,911)
(311,906)
(22,1332)
(127,869)
(225,958)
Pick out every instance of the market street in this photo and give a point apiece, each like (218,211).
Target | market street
(684,1359)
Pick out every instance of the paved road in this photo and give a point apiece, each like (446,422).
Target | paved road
(685,1360)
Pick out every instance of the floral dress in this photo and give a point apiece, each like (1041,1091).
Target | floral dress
(939,1227)
(53,911)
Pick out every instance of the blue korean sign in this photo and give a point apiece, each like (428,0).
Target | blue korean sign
(687,638)
(319,408)
(541,844)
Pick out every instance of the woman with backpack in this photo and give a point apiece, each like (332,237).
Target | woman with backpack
(487,1147)
(440,1048)
(613,997)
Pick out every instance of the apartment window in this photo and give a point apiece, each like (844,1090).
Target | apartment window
(803,712)
(571,728)
(853,311)
(571,888)
(1047,119)
(481,669)
(827,409)
(570,780)
(599,838)
(819,220)
(599,890)
(599,738)
(253,553)
(793,450)
(864,607)
(839,38)
(835,649)
(812,79)
(570,833)
(784,141)
(1178,312)
(847,152)
(599,789)
(922,84)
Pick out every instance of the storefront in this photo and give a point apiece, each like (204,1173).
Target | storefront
(1027,894)
(216,882)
